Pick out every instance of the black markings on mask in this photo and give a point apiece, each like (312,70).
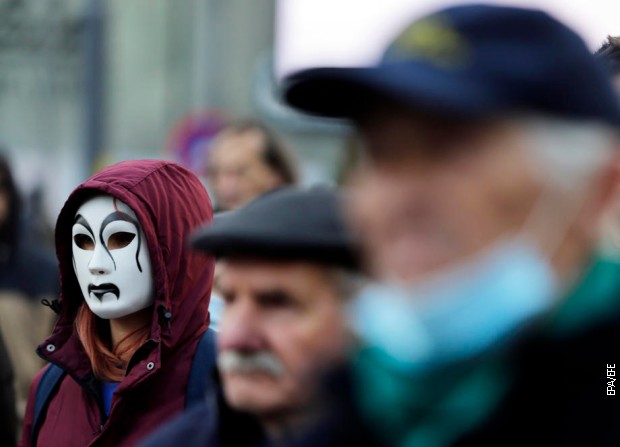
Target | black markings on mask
(79,219)
(119,215)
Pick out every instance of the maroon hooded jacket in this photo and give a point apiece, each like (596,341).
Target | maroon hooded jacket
(170,203)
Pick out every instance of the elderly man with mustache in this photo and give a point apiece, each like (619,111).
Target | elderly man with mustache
(289,268)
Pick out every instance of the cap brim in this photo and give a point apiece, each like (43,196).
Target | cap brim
(347,92)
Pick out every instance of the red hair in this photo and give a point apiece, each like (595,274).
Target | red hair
(108,362)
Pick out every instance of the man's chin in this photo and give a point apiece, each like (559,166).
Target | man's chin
(253,393)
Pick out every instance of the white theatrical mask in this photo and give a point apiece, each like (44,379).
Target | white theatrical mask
(111,259)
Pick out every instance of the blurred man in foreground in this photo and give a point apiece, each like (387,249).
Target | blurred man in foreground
(492,142)
(247,160)
(287,274)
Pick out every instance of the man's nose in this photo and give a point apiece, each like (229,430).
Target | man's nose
(240,327)
(101,262)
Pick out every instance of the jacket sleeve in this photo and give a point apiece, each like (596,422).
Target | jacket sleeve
(26,438)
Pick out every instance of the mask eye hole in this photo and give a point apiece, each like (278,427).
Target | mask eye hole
(84,242)
(120,239)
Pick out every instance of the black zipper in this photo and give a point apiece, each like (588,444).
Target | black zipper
(93,386)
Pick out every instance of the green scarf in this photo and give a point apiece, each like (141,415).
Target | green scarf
(434,408)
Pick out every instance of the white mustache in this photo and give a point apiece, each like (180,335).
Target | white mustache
(245,363)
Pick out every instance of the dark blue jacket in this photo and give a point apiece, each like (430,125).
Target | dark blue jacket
(211,424)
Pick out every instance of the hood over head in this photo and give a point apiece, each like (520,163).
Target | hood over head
(169,202)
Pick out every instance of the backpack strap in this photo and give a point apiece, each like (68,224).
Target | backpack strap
(201,374)
(51,378)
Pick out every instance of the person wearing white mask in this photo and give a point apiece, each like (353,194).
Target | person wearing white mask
(133,308)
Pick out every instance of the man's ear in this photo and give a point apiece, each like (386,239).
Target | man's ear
(603,200)
(608,209)
(609,185)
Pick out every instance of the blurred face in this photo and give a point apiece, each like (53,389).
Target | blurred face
(436,192)
(282,325)
(111,259)
(236,170)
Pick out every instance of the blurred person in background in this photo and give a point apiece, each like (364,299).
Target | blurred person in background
(8,416)
(28,274)
(492,145)
(288,270)
(247,159)
(133,308)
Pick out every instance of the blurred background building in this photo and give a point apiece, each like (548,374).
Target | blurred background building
(85,83)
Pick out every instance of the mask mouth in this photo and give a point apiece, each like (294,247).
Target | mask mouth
(102,289)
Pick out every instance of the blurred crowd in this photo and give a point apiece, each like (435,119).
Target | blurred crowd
(460,287)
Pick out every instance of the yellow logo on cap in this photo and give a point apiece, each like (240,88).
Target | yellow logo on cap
(434,40)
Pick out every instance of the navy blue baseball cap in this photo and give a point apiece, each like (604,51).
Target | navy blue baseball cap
(470,61)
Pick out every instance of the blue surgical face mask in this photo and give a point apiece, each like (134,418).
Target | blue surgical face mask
(459,313)
(216,308)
